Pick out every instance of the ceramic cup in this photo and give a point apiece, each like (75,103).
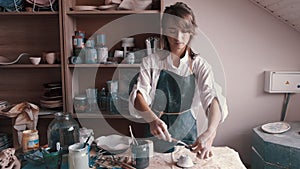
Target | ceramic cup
(50,57)
(140,154)
(35,60)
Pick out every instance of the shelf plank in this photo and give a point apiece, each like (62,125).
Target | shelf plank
(104,115)
(30,66)
(111,12)
(28,13)
(104,65)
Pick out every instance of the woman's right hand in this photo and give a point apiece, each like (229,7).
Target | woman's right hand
(159,129)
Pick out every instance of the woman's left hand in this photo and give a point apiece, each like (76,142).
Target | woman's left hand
(203,144)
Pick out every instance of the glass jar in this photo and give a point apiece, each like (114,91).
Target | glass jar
(130,58)
(90,52)
(112,101)
(64,129)
(80,104)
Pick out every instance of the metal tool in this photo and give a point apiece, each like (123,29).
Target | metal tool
(179,142)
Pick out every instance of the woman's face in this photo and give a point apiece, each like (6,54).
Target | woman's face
(177,38)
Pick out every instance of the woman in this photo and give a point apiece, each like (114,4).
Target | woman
(172,85)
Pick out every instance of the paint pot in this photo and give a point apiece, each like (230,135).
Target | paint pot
(78,156)
(30,140)
(140,154)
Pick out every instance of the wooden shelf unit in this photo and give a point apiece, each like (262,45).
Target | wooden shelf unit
(38,32)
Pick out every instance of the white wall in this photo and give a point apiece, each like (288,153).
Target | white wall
(249,41)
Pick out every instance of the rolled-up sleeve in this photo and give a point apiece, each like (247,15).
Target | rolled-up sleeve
(208,88)
(143,85)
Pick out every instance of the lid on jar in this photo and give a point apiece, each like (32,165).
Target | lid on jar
(80,97)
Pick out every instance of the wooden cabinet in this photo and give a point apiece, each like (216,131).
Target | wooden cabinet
(38,32)
(32,33)
(115,24)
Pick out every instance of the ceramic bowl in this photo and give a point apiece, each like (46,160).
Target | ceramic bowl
(35,60)
(185,161)
(114,143)
(50,57)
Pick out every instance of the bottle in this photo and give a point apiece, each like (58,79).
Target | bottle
(102,50)
(64,129)
(103,99)
(90,52)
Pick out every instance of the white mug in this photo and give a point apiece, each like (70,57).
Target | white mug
(78,156)
(50,57)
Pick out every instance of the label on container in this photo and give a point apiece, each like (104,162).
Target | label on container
(33,143)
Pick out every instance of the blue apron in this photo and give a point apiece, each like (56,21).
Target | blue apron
(174,96)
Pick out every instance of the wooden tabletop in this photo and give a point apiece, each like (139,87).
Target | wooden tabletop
(223,157)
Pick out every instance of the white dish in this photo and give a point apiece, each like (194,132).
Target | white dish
(276,127)
(110,6)
(84,8)
(114,143)
(51,106)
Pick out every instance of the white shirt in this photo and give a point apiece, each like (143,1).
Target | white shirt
(205,90)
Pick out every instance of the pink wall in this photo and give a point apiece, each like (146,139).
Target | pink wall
(248,41)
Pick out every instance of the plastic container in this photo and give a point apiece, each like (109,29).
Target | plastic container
(30,140)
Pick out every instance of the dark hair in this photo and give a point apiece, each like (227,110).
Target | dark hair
(186,21)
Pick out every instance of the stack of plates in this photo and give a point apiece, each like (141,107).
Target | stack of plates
(5,141)
(83,8)
(52,98)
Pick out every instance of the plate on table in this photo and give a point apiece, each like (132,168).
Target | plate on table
(275,127)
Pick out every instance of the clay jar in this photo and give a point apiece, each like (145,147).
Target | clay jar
(50,57)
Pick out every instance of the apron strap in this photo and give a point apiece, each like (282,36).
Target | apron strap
(173,113)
